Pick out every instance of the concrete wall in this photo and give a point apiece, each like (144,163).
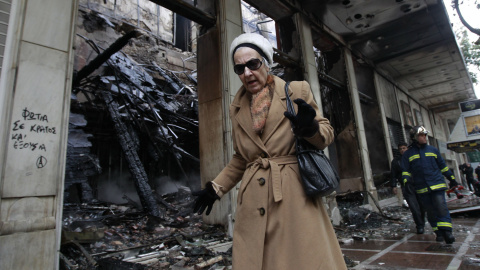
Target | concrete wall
(35,89)
(145,15)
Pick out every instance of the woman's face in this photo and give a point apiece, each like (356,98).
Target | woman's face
(253,80)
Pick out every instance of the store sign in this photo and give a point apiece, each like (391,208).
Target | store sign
(470,105)
(466,146)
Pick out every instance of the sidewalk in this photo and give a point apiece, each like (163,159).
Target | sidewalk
(413,251)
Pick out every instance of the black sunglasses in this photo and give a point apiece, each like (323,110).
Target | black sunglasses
(253,64)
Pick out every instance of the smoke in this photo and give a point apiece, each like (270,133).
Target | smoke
(112,189)
(165,184)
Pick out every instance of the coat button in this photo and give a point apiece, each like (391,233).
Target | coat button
(262,211)
(263,155)
(261,181)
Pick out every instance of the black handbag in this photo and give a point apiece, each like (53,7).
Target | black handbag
(319,177)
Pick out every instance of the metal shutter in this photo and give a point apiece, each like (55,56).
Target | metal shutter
(396,135)
(389,99)
(5,6)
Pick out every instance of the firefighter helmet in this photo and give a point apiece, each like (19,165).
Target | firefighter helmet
(416,130)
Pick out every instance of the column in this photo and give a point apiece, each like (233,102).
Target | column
(362,141)
(35,99)
(217,85)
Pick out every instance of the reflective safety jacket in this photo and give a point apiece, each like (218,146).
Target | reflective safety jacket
(424,165)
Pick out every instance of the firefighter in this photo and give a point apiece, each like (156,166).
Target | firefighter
(423,165)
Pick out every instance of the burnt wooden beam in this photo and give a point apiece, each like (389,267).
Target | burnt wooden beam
(135,166)
(188,11)
(104,56)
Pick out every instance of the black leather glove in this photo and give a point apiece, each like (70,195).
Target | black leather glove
(304,122)
(206,198)
(453,183)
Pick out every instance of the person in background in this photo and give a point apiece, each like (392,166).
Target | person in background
(408,190)
(461,168)
(468,171)
(276,225)
(477,172)
(423,165)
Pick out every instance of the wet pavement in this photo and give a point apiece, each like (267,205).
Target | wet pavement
(409,250)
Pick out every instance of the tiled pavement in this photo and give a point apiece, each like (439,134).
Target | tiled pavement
(413,251)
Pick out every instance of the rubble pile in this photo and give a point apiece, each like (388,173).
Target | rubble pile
(360,223)
(149,110)
(109,236)
(131,111)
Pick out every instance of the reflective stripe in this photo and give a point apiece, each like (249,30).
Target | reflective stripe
(443,185)
(413,157)
(452,177)
(431,155)
(423,190)
(434,187)
(435,228)
(404,181)
(406,173)
(444,224)
(444,169)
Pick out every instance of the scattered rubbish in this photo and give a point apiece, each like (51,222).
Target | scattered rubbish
(359,238)
(346,241)
(108,236)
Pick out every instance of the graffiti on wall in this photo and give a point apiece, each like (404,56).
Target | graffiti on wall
(25,130)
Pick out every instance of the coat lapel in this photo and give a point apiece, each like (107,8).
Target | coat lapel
(244,119)
(278,107)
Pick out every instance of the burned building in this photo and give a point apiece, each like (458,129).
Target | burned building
(376,69)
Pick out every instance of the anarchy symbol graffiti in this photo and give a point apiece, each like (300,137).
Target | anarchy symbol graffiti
(41,162)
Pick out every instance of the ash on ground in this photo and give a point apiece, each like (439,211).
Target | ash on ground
(366,224)
(112,236)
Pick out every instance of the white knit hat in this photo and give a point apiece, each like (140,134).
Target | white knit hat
(249,39)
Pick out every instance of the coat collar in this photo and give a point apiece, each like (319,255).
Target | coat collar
(242,115)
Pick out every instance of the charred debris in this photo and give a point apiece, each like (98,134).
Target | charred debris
(147,109)
(139,117)
(110,236)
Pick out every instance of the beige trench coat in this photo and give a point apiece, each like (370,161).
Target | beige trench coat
(276,226)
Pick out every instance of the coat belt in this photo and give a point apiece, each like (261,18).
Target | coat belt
(275,177)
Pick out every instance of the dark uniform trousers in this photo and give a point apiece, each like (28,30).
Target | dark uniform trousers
(437,211)
(409,194)
(415,204)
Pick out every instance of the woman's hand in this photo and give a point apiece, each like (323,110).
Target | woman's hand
(304,122)
(206,198)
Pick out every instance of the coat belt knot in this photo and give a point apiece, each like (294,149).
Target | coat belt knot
(275,177)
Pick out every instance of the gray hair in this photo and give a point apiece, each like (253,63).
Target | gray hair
(267,64)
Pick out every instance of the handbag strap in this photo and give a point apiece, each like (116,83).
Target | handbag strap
(290,107)
(300,144)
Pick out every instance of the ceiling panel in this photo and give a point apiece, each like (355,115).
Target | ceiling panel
(411,42)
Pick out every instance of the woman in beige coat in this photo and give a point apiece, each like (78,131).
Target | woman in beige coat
(276,225)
